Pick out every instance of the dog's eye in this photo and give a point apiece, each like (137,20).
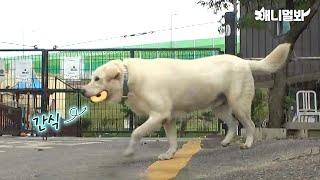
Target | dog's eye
(96,79)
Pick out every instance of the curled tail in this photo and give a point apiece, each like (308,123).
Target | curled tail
(273,62)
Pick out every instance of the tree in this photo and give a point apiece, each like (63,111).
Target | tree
(278,92)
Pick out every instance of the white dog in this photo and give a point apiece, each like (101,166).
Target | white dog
(162,88)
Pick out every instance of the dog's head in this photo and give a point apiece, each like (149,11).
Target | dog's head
(108,77)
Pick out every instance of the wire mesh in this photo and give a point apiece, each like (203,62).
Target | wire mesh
(63,89)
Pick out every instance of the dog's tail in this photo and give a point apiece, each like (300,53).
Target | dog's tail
(273,62)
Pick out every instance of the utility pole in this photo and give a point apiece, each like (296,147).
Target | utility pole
(230,33)
(235,11)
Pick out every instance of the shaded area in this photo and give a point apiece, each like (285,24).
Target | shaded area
(276,159)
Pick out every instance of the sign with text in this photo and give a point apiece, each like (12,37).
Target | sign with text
(23,71)
(72,68)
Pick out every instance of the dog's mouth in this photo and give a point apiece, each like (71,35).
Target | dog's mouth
(101,96)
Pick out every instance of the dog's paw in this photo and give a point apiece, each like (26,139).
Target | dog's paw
(244,146)
(165,156)
(225,144)
(128,152)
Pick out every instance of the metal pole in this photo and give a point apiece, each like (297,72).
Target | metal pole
(131,119)
(44,81)
(78,124)
(131,53)
(235,24)
(230,33)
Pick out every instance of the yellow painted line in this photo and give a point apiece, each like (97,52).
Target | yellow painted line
(168,169)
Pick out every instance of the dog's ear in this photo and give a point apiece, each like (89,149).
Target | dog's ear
(117,75)
(113,73)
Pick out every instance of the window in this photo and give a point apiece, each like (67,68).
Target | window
(282,27)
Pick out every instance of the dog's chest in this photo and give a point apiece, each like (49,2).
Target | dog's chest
(137,105)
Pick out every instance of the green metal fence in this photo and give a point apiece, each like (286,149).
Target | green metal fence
(57,93)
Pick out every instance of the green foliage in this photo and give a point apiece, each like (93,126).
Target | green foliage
(127,111)
(216,5)
(288,102)
(260,110)
(85,123)
(249,21)
(207,116)
(302,4)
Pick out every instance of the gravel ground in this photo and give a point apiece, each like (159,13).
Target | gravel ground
(274,159)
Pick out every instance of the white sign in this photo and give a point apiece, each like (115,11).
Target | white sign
(72,68)
(23,71)
(283,15)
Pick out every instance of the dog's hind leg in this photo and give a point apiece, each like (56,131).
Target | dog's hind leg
(240,96)
(153,123)
(170,128)
(224,113)
(243,113)
(242,110)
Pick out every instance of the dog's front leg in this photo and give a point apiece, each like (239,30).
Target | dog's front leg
(171,132)
(152,124)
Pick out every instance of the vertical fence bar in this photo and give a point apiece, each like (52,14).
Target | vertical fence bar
(131,53)
(78,124)
(131,116)
(44,81)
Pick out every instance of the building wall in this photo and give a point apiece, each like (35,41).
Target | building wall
(259,43)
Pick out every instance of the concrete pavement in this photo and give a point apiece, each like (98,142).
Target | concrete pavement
(101,158)
(273,159)
(75,158)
